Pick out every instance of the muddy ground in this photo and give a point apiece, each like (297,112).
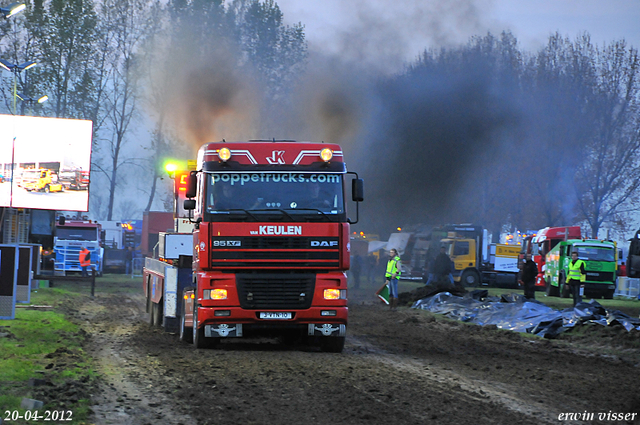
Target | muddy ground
(406,367)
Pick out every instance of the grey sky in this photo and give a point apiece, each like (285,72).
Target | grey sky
(401,29)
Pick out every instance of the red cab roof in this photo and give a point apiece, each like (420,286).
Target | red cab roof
(269,152)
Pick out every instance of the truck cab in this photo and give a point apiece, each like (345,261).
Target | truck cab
(271,242)
(600,259)
(74,180)
(476,260)
(42,180)
(70,237)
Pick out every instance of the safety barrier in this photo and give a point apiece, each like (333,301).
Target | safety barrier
(628,287)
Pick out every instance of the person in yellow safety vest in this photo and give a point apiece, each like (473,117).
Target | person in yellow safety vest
(391,276)
(577,277)
(84,261)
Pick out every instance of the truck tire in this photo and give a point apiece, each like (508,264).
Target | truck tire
(332,344)
(152,319)
(157,313)
(186,334)
(550,291)
(148,295)
(199,340)
(609,294)
(470,278)
(46,189)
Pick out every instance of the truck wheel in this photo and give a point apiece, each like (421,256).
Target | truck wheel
(199,340)
(186,334)
(148,296)
(332,344)
(157,313)
(470,279)
(152,310)
(550,290)
(609,294)
(46,189)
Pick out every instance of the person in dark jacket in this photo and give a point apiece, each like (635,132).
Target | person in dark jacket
(429,275)
(442,265)
(528,275)
(128,259)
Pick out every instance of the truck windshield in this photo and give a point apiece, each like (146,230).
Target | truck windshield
(291,192)
(592,253)
(33,174)
(77,234)
(66,175)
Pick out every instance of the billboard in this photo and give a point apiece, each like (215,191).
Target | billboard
(45,163)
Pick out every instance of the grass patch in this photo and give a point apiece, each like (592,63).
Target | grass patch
(44,345)
(106,284)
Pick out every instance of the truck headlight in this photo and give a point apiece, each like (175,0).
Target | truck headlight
(214,294)
(326,154)
(335,294)
(224,154)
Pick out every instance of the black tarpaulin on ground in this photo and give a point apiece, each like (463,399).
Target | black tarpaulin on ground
(517,313)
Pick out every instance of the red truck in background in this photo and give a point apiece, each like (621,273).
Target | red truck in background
(541,243)
(270,243)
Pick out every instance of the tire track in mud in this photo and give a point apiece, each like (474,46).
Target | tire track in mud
(427,372)
(125,396)
(465,389)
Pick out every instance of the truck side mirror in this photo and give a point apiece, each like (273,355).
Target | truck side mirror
(357,190)
(192,185)
(189,204)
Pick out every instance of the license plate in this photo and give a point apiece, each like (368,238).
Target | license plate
(275,315)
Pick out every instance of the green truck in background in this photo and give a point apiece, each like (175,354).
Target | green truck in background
(600,259)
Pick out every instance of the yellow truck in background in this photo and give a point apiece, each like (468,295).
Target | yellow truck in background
(477,261)
(42,180)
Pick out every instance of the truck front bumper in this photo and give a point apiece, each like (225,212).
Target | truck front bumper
(235,321)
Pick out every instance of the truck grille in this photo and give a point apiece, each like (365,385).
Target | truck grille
(600,276)
(275,252)
(275,291)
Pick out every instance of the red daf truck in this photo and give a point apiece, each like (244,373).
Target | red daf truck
(271,243)
(541,243)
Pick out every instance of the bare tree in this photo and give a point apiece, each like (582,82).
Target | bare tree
(65,31)
(128,21)
(608,176)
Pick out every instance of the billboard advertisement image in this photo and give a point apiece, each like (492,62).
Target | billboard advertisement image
(45,163)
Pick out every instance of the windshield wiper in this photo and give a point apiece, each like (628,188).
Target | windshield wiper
(276,209)
(234,211)
(313,209)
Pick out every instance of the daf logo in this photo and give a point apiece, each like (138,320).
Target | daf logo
(324,243)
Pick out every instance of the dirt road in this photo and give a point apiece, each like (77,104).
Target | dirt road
(406,367)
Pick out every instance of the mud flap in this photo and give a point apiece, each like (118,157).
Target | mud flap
(326,329)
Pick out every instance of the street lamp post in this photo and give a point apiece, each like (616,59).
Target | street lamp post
(12,67)
(32,101)
(6,12)
(12,9)
(15,69)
